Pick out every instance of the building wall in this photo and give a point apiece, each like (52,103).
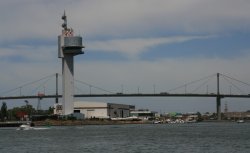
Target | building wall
(103,110)
(119,110)
(92,109)
(58,109)
(237,115)
(143,114)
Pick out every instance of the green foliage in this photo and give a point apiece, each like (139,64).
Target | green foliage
(28,109)
(51,110)
(4,112)
(17,113)
(198,114)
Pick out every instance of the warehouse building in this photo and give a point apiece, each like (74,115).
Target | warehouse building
(102,110)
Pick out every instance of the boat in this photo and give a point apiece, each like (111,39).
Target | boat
(131,118)
(177,121)
(157,122)
(26,126)
(240,121)
(191,121)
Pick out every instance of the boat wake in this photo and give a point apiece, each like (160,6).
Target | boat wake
(40,128)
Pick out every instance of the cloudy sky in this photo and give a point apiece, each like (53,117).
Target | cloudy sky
(145,45)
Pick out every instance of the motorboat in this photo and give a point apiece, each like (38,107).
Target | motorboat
(240,121)
(157,122)
(26,126)
(191,121)
(131,118)
(177,121)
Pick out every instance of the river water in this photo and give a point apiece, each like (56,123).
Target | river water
(158,138)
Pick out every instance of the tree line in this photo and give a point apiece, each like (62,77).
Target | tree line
(20,113)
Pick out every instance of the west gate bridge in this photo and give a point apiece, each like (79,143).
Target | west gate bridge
(233,84)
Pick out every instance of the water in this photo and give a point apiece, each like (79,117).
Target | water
(193,138)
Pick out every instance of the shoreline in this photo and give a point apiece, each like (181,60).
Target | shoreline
(94,122)
(86,122)
(109,122)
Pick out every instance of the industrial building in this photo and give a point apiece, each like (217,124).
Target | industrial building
(99,109)
(102,110)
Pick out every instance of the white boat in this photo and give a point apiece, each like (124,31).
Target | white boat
(177,121)
(157,122)
(25,127)
(131,118)
(240,121)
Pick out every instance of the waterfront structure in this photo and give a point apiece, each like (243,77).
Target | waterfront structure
(238,115)
(143,114)
(58,110)
(191,116)
(102,110)
(68,47)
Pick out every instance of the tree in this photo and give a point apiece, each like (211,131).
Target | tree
(28,109)
(199,117)
(19,112)
(4,112)
(51,110)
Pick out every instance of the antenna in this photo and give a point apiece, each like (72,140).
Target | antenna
(64,18)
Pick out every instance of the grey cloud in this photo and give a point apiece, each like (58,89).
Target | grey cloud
(41,19)
(134,46)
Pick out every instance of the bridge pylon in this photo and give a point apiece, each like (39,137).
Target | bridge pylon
(218,98)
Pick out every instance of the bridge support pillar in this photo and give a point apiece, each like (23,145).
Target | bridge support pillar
(218,98)
(218,107)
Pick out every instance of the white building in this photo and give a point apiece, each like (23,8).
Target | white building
(58,109)
(99,109)
(143,114)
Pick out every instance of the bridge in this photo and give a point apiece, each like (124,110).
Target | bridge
(169,93)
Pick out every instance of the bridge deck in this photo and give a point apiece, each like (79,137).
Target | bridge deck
(128,95)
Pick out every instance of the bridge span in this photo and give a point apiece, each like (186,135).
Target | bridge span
(218,97)
(128,95)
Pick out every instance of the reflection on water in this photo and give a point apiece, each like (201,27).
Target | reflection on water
(198,137)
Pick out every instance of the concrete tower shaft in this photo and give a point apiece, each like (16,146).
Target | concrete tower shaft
(68,46)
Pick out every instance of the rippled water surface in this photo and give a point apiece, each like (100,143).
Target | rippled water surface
(197,137)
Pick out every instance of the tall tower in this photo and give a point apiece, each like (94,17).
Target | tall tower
(68,46)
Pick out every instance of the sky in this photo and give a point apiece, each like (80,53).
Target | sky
(131,46)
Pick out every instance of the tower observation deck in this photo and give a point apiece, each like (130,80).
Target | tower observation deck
(68,47)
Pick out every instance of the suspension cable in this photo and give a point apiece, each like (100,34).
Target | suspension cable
(40,85)
(27,84)
(242,92)
(192,82)
(90,85)
(248,84)
(201,85)
(94,86)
